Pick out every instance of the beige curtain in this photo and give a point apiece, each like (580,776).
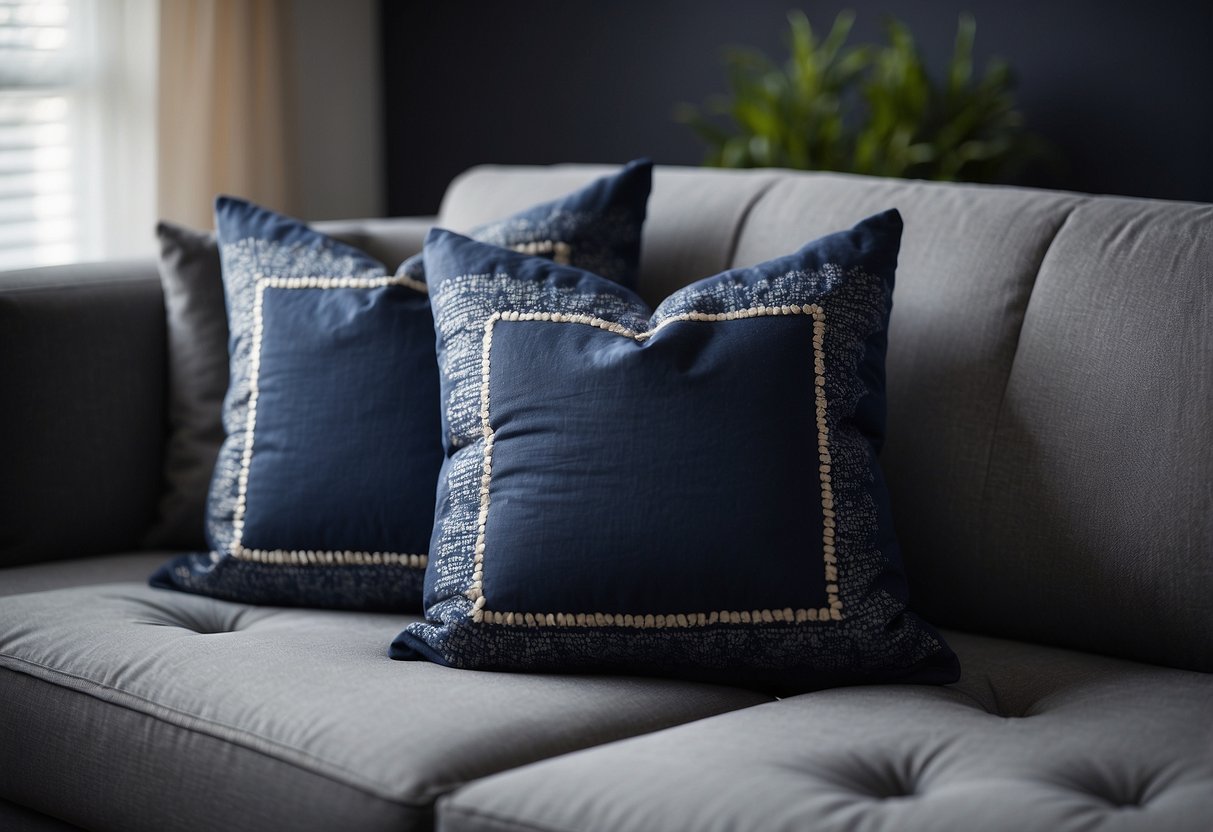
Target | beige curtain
(222,107)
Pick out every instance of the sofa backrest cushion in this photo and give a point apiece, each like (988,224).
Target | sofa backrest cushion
(691,228)
(1050,380)
(1099,504)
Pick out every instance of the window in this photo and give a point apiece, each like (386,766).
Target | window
(77,130)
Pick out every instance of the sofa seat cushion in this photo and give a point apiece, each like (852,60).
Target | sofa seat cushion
(1029,738)
(59,574)
(127,707)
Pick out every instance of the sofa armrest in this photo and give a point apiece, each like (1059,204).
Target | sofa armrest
(82,381)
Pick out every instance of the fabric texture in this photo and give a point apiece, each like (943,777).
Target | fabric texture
(323,493)
(1105,440)
(15,818)
(295,717)
(123,567)
(581,521)
(197,378)
(82,419)
(1029,738)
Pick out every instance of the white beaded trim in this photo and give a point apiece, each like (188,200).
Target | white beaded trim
(298,557)
(832,612)
(302,557)
(560,252)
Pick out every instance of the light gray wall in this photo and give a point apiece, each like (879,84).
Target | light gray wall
(335,112)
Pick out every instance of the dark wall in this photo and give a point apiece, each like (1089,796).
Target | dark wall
(1124,90)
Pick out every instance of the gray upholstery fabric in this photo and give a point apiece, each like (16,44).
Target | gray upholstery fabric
(693,218)
(14,818)
(82,378)
(197,382)
(390,241)
(1098,511)
(136,709)
(198,361)
(1030,739)
(101,569)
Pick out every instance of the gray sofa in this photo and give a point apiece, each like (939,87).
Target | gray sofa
(1050,455)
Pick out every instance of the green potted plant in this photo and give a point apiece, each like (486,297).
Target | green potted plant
(871,108)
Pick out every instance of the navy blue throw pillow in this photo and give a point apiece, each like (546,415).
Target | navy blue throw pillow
(596,228)
(323,492)
(690,492)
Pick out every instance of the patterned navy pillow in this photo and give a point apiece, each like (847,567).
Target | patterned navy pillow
(596,228)
(323,492)
(692,492)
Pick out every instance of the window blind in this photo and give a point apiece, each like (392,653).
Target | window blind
(77,130)
(39,104)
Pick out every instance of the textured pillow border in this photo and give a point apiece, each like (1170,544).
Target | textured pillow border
(559,251)
(300,557)
(481,614)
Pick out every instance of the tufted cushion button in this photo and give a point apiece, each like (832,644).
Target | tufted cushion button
(206,631)
(219,620)
(199,616)
(891,792)
(1113,788)
(869,779)
(987,697)
(1134,800)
